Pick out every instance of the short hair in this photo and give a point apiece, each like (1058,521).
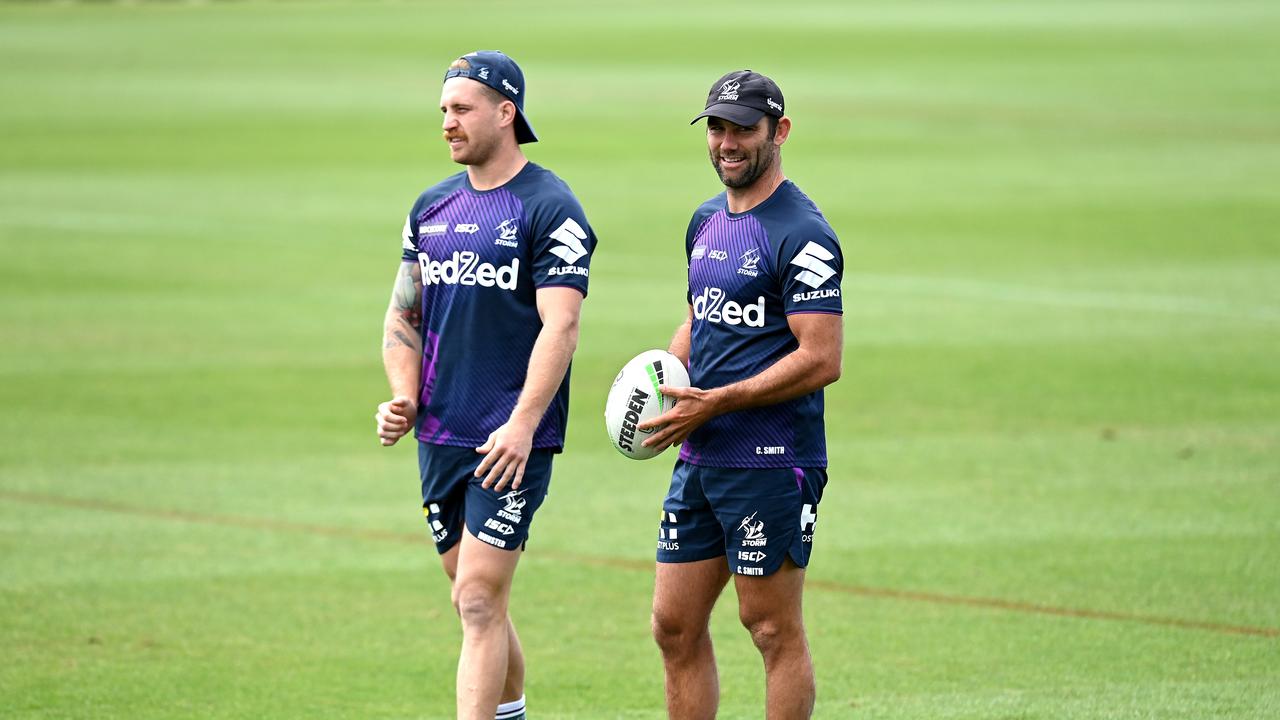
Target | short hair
(773,126)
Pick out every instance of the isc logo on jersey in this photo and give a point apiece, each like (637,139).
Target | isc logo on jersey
(465,268)
(711,305)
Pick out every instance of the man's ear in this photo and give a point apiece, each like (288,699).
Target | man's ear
(506,113)
(784,129)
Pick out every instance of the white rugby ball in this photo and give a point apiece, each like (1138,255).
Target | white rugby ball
(634,398)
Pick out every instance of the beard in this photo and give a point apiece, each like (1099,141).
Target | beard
(758,164)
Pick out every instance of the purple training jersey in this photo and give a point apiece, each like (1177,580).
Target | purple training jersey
(483,255)
(748,272)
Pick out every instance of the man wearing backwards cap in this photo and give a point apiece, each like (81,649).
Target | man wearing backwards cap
(482,325)
(762,338)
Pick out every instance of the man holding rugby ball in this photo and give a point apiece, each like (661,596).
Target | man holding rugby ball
(762,338)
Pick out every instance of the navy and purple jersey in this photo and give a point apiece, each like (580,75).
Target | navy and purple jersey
(483,255)
(748,272)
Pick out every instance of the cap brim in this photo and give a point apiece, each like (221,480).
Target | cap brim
(734,113)
(524,131)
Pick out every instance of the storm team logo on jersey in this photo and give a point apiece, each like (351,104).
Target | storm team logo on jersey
(749,260)
(507,231)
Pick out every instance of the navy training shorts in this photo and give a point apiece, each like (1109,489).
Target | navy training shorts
(451,494)
(754,517)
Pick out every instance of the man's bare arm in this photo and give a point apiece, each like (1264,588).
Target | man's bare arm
(816,363)
(402,354)
(507,449)
(682,341)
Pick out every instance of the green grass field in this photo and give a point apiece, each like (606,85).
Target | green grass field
(1055,450)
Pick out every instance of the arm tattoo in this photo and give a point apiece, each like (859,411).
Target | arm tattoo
(406,309)
(407,296)
(400,337)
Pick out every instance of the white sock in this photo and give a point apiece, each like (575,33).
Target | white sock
(509,710)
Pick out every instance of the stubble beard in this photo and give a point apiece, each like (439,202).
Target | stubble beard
(476,151)
(761,162)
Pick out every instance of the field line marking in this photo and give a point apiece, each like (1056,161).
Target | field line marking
(420,539)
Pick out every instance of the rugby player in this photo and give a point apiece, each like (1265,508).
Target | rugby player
(482,325)
(762,337)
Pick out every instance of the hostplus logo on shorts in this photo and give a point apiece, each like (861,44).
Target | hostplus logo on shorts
(808,519)
(438,530)
(668,534)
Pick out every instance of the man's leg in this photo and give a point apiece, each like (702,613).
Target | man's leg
(513,686)
(683,596)
(481,591)
(770,607)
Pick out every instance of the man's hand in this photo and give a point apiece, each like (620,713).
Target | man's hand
(505,454)
(694,406)
(395,419)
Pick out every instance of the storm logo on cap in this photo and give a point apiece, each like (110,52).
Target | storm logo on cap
(729,90)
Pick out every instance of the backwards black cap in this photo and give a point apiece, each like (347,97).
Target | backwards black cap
(743,97)
(496,70)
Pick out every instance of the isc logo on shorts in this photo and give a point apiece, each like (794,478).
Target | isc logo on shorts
(501,527)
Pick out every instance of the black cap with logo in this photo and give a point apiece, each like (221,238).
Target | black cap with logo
(500,72)
(743,97)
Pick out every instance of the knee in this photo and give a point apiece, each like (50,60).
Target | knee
(478,606)
(675,635)
(770,635)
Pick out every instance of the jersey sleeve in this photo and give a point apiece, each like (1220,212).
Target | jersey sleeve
(694,223)
(563,242)
(700,216)
(409,240)
(810,268)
